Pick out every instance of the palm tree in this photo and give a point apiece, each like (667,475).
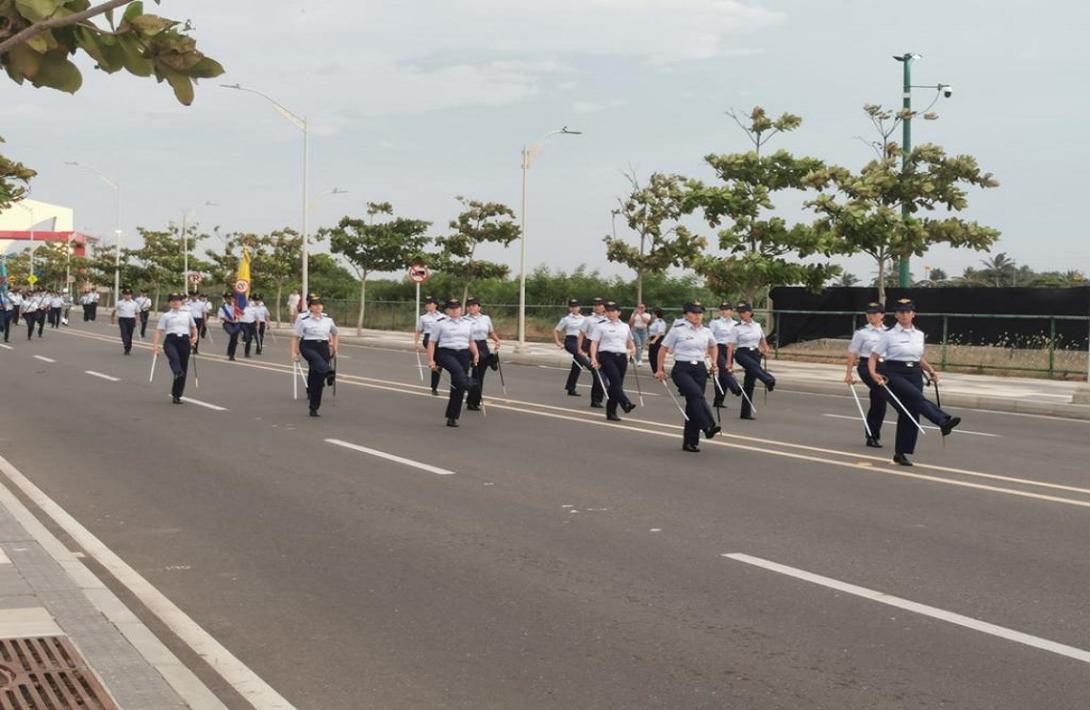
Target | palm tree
(999,268)
(847,280)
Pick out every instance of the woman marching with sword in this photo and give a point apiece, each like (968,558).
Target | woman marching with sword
(611,346)
(863,342)
(901,375)
(316,340)
(180,330)
(691,342)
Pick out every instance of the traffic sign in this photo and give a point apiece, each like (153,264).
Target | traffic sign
(11,278)
(194,278)
(32,279)
(419,273)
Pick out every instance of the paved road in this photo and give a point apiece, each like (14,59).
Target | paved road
(568,562)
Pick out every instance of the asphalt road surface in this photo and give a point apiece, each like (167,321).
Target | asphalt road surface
(568,562)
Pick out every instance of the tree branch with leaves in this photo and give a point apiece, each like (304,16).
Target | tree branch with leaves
(478,223)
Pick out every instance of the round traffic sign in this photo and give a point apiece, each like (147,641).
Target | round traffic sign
(419,273)
(194,278)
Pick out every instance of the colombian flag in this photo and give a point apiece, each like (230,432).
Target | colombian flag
(242,282)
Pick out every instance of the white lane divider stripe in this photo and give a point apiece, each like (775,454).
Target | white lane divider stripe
(391,457)
(43,358)
(948,616)
(893,422)
(111,378)
(199,403)
(6,347)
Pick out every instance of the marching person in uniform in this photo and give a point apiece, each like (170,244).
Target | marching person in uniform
(17,301)
(230,324)
(262,321)
(483,330)
(656,331)
(316,340)
(597,317)
(746,345)
(197,308)
(56,304)
(95,297)
(901,352)
(206,313)
(690,343)
(863,342)
(611,346)
(181,333)
(425,325)
(721,328)
(125,315)
(143,303)
(452,349)
(85,301)
(7,311)
(33,315)
(569,328)
(248,321)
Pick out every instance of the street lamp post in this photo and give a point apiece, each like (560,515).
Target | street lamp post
(29,209)
(529,153)
(906,60)
(116,186)
(185,243)
(299,122)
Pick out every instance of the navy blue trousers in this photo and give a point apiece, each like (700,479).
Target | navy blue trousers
(876,413)
(176,348)
(691,380)
(579,361)
(750,360)
(613,369)
(597,393)
(907,383)
(316,353)
(456,363)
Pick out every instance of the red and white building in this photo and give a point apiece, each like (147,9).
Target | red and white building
(29,221)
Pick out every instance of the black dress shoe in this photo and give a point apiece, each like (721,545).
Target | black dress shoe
(232,358)
(717,402)
(473,407)
(434,391)
(747,416)
(691,448)
(771,385)
(628,407)
(452,422)
(176,400)
(901,460)
(613,418)
(948,425)
(709,433)
(314,413)
(873,443)
(331,377)
(597,405)
(573,393)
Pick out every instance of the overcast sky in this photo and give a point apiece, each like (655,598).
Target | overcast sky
(415,102)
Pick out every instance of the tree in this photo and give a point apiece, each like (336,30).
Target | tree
(14,178)
(863,210)
(479,223)
(652,212)
(281,254)
(761,250)
(38,36)
(377,248)
(846,280)
(1000,270)
(161,261)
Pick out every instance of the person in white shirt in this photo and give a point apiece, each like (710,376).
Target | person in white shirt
(262,321)
(611,346)
(7,311)
(638,322)
(483,331)
(656,331)
(206,313)
(231,326)
(248,320)
(143,302)
(690,343)
(34,313)
(899,357)
(56,304)
(316,341)
(745,345)
(196,308)
(569,328)
(425,326)
(294,305)
(453,349)
(180,333)
(85,301)
(17,301)
(125,315)
(95,297)
(859,350)
(721,328)
(597,317)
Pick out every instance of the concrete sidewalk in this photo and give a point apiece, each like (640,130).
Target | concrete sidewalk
(48,597)
(1001,394)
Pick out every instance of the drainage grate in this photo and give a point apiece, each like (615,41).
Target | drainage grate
(47,673)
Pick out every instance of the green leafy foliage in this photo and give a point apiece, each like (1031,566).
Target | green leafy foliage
(761,250)
(14,178)
(37,38)
(478,223)
(652,211)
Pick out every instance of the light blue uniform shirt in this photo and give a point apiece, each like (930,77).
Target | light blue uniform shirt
(591,322)
(864,340)
(426,322)
(689,343)
(571,324)
(311,327)
(126,308)
(746,335)
(721,328)
(482,326)
(612,336)
(900,344)
(176,322)
(452,334)
(657,328)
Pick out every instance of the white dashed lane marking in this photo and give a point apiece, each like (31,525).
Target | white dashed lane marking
(92,373)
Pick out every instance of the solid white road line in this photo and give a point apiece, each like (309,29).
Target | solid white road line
(968,622)
(92,373)
(43,358)
(199,403)
(391,457)
(925,426)
(6,347)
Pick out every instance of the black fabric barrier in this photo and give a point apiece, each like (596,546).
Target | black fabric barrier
(1006,332)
